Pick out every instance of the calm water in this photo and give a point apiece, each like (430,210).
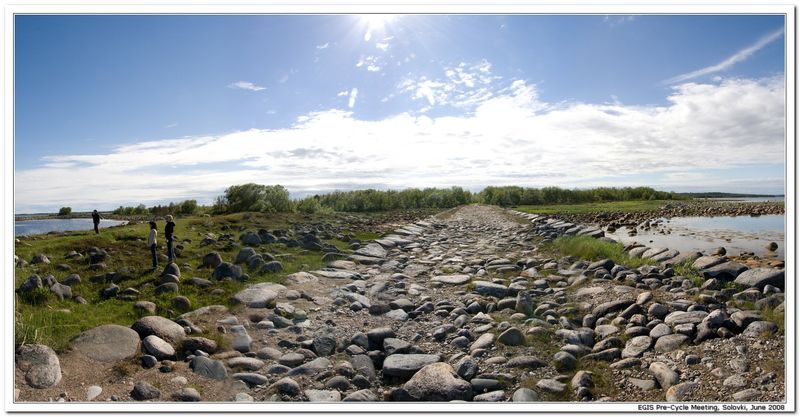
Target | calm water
(35,227)
(736,234)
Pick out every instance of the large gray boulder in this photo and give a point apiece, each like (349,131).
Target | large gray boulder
(726,271)
(164,328)
(437,382)
(406,365)
(227,269)
(40,365)
(761,277)
(373,250)
(108,343)
(260,295)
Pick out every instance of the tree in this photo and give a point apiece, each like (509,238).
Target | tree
(65,211)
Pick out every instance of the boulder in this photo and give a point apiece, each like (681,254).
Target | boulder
(162,327)
(108,343)
(227,269)
(406,365)
(40,365)
(761,277)
(260,295)
(437,382)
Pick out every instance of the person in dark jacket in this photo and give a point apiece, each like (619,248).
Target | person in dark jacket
(168,230)
(96,221)
(151,242)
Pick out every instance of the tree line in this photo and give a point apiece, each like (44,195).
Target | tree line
(275,199)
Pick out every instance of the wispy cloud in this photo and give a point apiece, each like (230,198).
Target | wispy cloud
(353,94)
(616,20)
(383,46)
(370,63)
(559,144)
(463,85)
(246,85)
(324,45)
(343,93)
(171,125)
(731,60)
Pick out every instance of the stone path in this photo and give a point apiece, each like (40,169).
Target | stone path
(462,306)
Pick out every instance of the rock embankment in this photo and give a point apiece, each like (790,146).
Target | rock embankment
(459,307)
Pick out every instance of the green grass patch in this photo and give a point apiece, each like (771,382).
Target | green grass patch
(776,316)
(591,249)
(41,318)
(590,208)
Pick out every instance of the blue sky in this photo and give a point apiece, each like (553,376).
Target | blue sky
(115,110)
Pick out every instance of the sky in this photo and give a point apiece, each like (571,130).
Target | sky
(121,110)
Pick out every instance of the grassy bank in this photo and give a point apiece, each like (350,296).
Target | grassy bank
(591,249)
(589,208)
(47,320)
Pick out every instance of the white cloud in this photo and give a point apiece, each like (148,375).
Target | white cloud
(353,94)
(343,93)
(617,20)
(370,63)
(323,46)
(463,85)
(246,85)
(383,46)
(171,125)
(511,137)
(731,60)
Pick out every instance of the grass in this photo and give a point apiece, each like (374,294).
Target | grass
(777,317)
(42,318)
(589,208)
(591,249)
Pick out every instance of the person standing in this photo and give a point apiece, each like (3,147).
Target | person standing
(96,221)
(168,230)
(151,242)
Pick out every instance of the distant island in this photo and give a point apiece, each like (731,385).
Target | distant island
(729,195)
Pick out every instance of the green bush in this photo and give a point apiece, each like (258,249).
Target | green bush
(65,211)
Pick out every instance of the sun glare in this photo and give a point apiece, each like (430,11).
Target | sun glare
(376,21)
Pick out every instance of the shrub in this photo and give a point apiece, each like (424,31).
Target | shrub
(65,211)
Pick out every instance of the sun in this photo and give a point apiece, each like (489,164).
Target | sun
(376,21)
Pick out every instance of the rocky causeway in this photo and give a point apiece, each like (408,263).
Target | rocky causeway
(460,306)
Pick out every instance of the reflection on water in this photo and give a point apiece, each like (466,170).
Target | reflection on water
(737,234)
(35,227)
